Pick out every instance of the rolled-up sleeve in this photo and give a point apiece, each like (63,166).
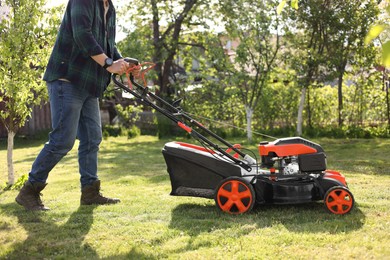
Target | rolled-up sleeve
(82,13)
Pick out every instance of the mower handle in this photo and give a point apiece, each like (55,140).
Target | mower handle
(145,92)
(132,61)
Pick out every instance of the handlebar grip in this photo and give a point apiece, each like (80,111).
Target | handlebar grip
(132,61)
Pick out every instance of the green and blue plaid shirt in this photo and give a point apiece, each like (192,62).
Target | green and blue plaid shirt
(83,34)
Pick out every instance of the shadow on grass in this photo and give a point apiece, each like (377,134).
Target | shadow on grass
(133,159)
(195,219)
(49,240)
(117,159)
(46,239)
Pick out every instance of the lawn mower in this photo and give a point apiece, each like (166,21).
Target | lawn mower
(290,170)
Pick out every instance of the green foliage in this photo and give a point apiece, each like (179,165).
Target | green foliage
(16,186)
(25,34)
(352,131)
(127,115)
(113,130)
(20,182)
(256,28)
(277,107)
(318,38)
(326,38)
(294,4)
(374,32)
(386,54)
(137,44)
(25,38)
(166,128)
(117,130)
(160,26)
(133,132)
(381,30)
(276,114)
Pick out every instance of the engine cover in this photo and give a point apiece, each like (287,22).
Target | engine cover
(311,156)
(312,162)
(288,147)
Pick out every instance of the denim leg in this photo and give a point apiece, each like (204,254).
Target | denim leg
(90,136)
(65,103)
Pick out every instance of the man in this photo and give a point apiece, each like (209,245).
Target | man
(82,61)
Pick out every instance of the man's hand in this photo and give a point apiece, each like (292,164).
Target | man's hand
(119,67)
(135,70)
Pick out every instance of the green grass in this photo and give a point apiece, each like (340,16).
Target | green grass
(151,224)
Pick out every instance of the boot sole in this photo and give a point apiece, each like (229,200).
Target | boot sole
(31,209)
(95,203)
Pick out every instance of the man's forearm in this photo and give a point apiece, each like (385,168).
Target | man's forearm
(100,59)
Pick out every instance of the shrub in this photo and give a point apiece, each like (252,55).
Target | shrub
(112,130)
(127,115)
(133,132)
(17,185)
(20,182)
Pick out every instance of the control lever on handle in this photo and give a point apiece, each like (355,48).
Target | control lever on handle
(132,61)
(135,63)
(140,71)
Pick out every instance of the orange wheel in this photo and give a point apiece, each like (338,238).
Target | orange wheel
(339,200)
(235,195)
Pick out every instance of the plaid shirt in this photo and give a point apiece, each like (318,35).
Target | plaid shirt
(83,34)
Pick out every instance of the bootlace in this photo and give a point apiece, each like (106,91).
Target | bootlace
(101,196)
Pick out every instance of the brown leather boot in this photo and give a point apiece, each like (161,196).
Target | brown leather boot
(30,196)
(90,195)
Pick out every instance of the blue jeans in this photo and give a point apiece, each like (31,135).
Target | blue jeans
(75,114)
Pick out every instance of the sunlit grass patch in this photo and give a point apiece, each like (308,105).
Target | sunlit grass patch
(151,224)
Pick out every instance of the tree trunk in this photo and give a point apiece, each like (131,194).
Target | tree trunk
(10,164)
(300,112)
(340,96)
(165,77)
(249,115)
(308,108)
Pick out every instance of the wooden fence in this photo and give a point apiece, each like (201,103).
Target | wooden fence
(39,121)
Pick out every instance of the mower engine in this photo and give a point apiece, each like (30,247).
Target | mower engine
(292,156)
(290,165)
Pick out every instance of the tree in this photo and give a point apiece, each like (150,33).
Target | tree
(160,30)
(307,48)
(279,101)
(24,37)
(160,26)
(256,27)
(340,28)
(348,24)
(212,93)
(332,33)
